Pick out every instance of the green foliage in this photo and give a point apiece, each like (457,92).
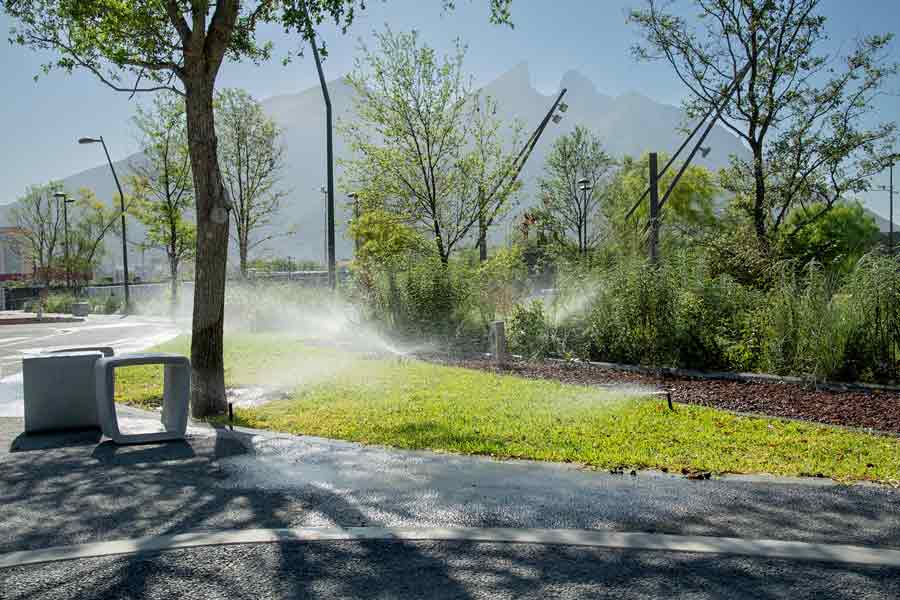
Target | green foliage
(573,215)
(162,186)
(527,331)
(835,236)
(281,265)
(807,116)
(425,146)
(433,298)
(501,281)
(684,313)
(252,158)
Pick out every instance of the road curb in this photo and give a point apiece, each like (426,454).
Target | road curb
(35,320)
(758,548)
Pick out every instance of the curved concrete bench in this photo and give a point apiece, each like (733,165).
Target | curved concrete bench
(176,396)
(104,350)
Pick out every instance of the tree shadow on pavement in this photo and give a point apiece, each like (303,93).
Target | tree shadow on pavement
(77,492)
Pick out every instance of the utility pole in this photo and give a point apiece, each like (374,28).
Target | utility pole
(890,190)
(654,209)
(355,197)
(65,200)
(329,143)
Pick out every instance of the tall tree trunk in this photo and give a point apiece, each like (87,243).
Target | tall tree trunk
(173,274)
(759,200)
(208,378)
(482,238)
(243,252)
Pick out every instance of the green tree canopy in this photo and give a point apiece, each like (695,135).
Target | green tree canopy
(837,238)
(808,118)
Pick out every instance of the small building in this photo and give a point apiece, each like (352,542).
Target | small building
(15,260)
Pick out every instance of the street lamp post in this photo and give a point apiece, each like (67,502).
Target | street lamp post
(329,149)
(87,140)
(585,186)
(890,190)
(355,197)
(66,201)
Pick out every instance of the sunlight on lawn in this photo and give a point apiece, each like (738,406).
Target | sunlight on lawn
(419,405)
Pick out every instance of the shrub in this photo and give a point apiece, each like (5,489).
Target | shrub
(527,330)
(501,282)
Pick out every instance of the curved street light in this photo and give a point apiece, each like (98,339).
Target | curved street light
(66,201)
(88,140)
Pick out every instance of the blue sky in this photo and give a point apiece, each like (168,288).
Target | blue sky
(41,120)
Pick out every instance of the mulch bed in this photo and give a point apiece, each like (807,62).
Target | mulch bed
(878,409)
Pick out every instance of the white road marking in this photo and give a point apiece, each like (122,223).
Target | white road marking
(831,553)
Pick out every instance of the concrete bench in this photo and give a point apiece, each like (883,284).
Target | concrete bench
(59,390)
(176,396)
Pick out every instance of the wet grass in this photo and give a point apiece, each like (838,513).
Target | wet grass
(416,405)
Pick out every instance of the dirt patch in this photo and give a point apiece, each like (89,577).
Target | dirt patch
(878,409)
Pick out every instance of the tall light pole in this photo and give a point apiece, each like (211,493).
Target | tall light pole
(329,143)
(890,190)
(584,184)
(66,201)
(87,140)
(355,197)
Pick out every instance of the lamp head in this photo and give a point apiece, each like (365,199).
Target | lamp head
(87,140)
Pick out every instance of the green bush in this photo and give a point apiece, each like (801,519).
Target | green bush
(433,298)
(682,312)
(527,330)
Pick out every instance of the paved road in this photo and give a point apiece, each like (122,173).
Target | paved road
(128,334)
(123,333)
(68,489)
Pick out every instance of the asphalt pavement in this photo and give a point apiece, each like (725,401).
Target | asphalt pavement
(75,489)
(123,333)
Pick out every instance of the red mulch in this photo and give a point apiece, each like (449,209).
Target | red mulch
(878,410)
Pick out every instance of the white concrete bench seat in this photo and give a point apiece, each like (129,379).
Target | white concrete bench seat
(176,396)
(59,390)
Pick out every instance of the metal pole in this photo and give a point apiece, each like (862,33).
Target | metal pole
(124,243)
(329,220)
(355,197)
(66,222)
(891,210)
(654,208)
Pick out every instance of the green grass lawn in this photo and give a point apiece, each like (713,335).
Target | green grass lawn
(419,405)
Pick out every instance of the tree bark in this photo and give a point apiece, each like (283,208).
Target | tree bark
(482,238)
(759,201)
(208,380)
(244,251)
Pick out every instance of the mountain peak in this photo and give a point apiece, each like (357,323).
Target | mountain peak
(576,82)
(519,76)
